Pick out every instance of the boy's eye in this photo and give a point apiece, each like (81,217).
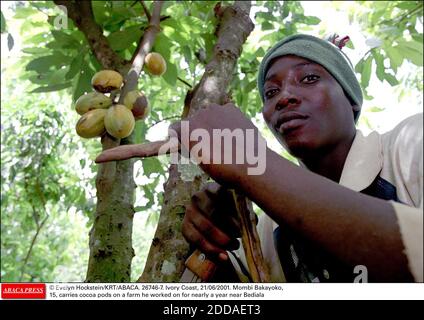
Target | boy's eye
(310,78)
(270,93)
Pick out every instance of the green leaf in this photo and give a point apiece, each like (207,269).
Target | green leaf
(376,15)
(149,195)
(35,50)
(284,10)
(367,96)
(379,61)
(40,65)
(163,45)
(391,79)
(43,64)
(151,165)
(65,40)
(114,25)
(190,23)
(37,38)
(414,56)
(170,76)
(101,11)
(375,109)
(366,72)
(121,40)
(395,55)
(260,52)
(413,51)
(10,42)
(266,25)
(75,66)
(186,53)
(53,87)
(413,45)
(418,37)
(94,63)
(43,4)
(139,132)
(407,5)
(3,22)
(264,16)
(24,12)
(311,20)
(350,44)
(83,83)
(359,66)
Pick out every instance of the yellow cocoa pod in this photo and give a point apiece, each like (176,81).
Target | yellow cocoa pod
(106,81)
(119,121)
(91,124)
(155,64)
(137,102)
(92,100)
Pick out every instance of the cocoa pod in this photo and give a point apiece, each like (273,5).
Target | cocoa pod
(106,81)
(91,124)
(92,100)
(137,102)
(119,121)
(155,64)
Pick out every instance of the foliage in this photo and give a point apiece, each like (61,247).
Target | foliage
(48,171)
(395,36)
(41,193)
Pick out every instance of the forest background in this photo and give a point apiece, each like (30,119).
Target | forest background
(48,187)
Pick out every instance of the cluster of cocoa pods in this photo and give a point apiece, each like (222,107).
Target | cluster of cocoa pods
(100,114)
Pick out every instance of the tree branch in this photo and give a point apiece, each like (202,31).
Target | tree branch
(115,186)
(39,225)
(230,38)
(81,12)
(185,82)
(107,170)
(34,239)
(163,18)
(410,13)
(169,245)
(143,48)
(146,10)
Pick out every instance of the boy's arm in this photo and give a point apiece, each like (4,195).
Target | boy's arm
(358,229)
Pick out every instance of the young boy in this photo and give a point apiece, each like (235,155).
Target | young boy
(354,207)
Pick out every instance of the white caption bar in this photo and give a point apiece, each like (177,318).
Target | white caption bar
(225,291)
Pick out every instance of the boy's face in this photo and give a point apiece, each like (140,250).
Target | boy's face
(305,107)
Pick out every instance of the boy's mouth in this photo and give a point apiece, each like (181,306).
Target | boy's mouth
(289,121)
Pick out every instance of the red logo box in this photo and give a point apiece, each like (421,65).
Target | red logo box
(23,291)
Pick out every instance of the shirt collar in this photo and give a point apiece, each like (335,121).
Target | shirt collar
(363,163)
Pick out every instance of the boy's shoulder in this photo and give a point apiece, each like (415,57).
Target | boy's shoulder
(407,134)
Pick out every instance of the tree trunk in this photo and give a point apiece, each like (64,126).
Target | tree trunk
(110,242)
(165,261)
(111,249)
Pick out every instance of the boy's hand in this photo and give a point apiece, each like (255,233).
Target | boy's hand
(229,136)
(210,222)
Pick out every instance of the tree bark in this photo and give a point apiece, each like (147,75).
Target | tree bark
(110,241)
(165,261)
(81,12)
(111,249)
